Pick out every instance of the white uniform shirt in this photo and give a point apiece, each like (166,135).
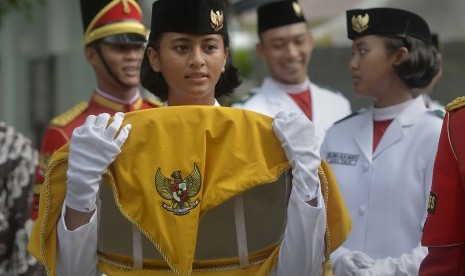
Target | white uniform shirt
(301,251)
(386,191)
(327,106)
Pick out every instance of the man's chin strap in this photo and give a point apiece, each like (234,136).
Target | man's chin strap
(99,52)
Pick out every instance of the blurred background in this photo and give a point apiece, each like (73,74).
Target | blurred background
(43,71)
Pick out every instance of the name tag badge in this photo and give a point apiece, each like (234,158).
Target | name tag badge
(340,158)
(432,201)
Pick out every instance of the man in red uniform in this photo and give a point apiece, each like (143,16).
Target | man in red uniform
(114,38)
(444,231)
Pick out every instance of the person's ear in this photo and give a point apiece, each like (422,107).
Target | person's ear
(312,45)
(91,55)
(154,59)
(226,55)
(400,55)
(260,50)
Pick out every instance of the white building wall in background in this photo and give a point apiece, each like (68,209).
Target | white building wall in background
(52,41)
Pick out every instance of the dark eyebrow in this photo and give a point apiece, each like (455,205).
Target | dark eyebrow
(180,39)
(211,38)
(360,44)
(188,39)
(279,39)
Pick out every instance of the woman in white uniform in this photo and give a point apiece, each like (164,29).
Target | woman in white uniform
(383,156)
(187,63)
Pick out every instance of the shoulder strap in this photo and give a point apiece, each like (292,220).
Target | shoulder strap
(456,104)
(63,119)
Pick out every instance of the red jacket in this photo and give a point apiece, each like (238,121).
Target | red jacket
(59,132)
(444,231)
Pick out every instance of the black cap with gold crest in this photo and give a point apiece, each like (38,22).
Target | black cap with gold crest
(188,16)
(202,17)
(386,21)
(435,40)
(279,13)
(113,21)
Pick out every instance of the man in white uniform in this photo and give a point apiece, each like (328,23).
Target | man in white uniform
(286,45)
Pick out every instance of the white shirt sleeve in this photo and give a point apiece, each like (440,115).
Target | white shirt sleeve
(302,248)
(77,249)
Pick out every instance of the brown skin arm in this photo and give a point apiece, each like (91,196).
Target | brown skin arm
(75,219)
(313,202)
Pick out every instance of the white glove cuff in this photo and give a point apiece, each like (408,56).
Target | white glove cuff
(82,202)
(305,192)
(85,206)
(305,176)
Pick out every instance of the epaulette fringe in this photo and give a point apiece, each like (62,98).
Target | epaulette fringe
(456,104)
(154,102)
(71,114)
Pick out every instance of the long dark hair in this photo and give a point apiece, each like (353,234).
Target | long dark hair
(155,83)
(420,66)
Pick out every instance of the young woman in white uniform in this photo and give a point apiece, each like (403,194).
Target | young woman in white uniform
(187,63)
(383,156)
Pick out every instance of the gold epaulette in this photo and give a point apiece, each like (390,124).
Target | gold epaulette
(456,104)
(154,102)
(71,114)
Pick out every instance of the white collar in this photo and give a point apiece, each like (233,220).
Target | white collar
(292,88)
(390,112)
(165,103)
(115,99)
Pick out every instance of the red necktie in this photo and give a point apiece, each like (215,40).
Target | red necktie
(379,127)
(304,101)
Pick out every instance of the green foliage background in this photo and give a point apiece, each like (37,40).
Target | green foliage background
(23,6)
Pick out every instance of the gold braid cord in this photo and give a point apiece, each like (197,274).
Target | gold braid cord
(327,266)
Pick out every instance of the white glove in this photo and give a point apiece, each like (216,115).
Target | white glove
(92,149)
(362,260)
(352,263)
(297,135)
(367,272)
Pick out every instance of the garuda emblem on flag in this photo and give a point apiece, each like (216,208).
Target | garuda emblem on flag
(179,191)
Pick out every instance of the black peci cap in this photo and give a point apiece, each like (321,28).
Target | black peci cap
(277,14)
(188,16)
(435,40)
(114,21)
(386,21)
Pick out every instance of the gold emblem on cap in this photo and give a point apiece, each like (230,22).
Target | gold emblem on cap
(126,7)
(360,23)
(297,9)
(216,20)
